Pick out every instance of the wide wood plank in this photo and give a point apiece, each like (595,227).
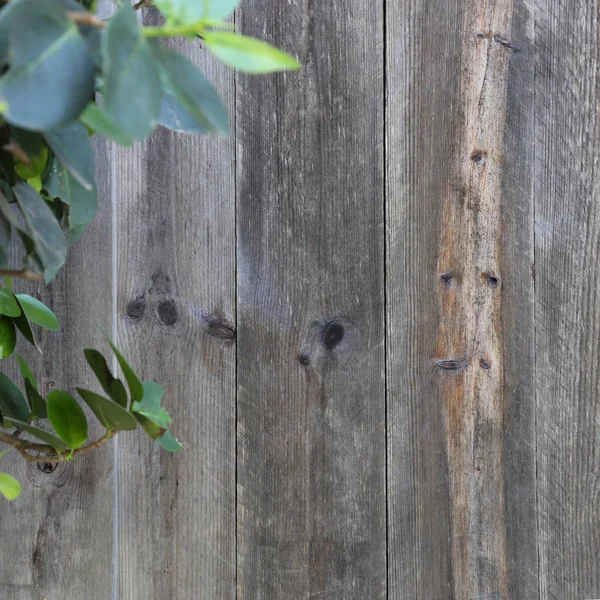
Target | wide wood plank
(311,418)
(460,349)
(176,322)
(57,538)
(567,310)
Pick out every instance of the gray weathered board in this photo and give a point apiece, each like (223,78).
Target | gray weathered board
(376,310)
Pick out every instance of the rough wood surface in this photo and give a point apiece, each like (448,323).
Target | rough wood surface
(66,513)
(567,310)
(311,417)
(455,199)
(175,296)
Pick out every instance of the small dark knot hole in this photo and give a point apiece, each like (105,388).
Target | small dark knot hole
(446,278)
(479,156)
(492,279)
(167,312)
(304,360)
(46,467)
(135,309)
(333,334)
(484,363)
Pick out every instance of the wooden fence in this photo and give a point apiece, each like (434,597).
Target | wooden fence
(375,308)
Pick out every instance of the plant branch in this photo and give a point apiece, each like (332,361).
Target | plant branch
(50,454)
(86,18)
(27,275)
(142,4)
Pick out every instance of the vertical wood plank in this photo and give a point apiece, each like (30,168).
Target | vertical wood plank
(57,538)
(176,316)
(459,402)
(311,418)
(567,242)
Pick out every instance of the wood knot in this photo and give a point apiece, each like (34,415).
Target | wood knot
(447,278)
(333,334)
(485,364)
(479,157)
(47,467)
(304,359)
(167,312)
(136,308)
(491,278)
(451,364)
(217,327)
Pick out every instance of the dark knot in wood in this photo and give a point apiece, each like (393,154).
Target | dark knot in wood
(333,334)
(451,364)
(167,312)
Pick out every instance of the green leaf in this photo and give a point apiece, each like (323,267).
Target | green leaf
(37,166)
(43,228)
(40,434)
(248,54)
(5,452)
(169,443)
(94,117)
(150,406)
(67,418)
(24,327)
(132,84)
(30,141)
(112,386)
(158,434)
(71,144)
(8,304)
(36,402)
(189,102)
(8,337)
(37,312)
(26,371)
(12,401)
(51,74)
(188,12)
(109,413)
(136,389)
(10,488)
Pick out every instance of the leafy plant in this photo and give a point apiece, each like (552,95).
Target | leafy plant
(66,74)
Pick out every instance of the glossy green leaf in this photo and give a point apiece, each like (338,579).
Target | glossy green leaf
(132,84)
(189,102)
(37,312)
(8,337)
(189,12)
(12,401)
(10,488)
(67,418)
(26,371)
(109,413)
(24,327)
(71,144)
(51,75)
(40,434)
(94,117)
(37,404)
(8,304)
(150,406)
(35,168)
(112,386)
(248,54)
(136,389)
(43,229)
(91,35)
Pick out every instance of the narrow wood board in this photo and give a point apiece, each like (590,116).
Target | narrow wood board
(567,308)
(311,413)
(176,322)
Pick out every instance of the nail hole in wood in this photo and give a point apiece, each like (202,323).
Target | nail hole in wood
(47,467)
(492,279)
(333,334)
(447,278)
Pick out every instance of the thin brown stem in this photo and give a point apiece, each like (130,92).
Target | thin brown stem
(49,453)
(142,4)
(28,275)
(85,18)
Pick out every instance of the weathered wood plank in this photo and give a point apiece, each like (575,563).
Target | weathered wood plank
(567,310)
(311,418)
(57,538)
(175,286)
(452,297)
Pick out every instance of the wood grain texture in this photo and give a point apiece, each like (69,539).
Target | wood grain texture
(176,286)
(567,310)
(311,417)
(454,201)
(67,513)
